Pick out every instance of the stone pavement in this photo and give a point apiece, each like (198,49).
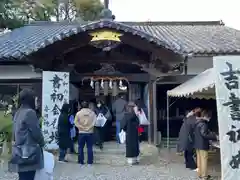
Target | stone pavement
(110,164)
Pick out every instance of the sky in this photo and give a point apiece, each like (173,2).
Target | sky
(177,10)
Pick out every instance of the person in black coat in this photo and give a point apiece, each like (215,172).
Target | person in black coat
(186,138)
(64,127)
(130,125)
(101,108)
(202,137)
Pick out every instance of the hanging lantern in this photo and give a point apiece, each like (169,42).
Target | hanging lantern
(92,83)
(115,89)
(110,84)
(97,88)
(121,86)
(102,84)
(120,83)
(105,89)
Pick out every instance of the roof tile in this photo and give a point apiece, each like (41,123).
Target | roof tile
(180,37)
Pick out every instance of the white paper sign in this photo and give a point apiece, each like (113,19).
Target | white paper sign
(228,106)
(55,92)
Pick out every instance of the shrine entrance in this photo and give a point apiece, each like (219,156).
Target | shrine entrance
(108,58)
(102,59)
(105,82)
(105,86)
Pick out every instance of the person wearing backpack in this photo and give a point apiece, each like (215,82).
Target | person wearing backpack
(85,120)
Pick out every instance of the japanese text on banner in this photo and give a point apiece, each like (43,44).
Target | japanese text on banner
(55,94)
(228,106)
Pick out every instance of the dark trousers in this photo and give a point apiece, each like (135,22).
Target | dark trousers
(28,175)
(189,160)
(85,138)
(62,154)
(72,149)
(118,129)
(99,133)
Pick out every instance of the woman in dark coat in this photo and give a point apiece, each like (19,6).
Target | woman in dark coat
(130,125)
(26,131)
(100,131)
(64,127)
(186,138)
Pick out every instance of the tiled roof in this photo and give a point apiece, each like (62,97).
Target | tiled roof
(196,37)
(180,37)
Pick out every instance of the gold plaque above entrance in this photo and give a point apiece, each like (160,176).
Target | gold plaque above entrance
(105,36)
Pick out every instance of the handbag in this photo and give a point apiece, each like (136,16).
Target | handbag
(101,120)
(142,118)
(122,137)
(26,154)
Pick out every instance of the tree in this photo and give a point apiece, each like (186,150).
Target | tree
(8,17)
(16,13)
(89,10)
(35,10)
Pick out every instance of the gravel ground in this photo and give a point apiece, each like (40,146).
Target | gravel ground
(110,164)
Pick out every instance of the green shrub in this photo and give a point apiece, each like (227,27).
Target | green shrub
(6,124)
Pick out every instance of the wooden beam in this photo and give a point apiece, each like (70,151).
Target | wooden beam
(158,51)
(99,60)
(56,49)
(92,54)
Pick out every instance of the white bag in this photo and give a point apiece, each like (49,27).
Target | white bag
(101,120)
(122,137)
(47,172)
(142,118)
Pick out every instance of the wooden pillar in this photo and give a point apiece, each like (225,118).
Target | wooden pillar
(150,112)
(155,126)
(152,128)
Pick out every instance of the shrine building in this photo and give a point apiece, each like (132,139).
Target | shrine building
(107,57)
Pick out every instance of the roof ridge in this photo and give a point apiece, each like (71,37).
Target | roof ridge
(65,22)
(176,23)
(135,23)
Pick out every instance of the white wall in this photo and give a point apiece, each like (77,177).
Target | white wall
(197,65)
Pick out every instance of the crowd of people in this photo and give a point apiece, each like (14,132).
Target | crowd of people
(194,139)
(76,122)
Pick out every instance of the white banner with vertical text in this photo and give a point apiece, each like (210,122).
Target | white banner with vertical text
(227,86)
(55,92)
